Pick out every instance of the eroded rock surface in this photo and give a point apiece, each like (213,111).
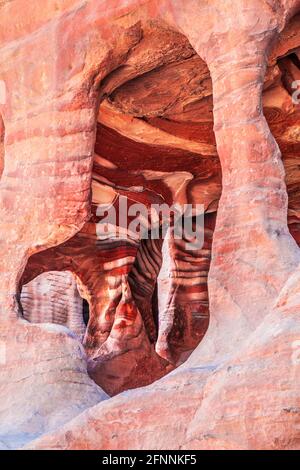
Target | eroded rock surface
(43,382)
(176,102)
(54,298)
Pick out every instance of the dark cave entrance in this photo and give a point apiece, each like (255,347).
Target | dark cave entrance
(85,311)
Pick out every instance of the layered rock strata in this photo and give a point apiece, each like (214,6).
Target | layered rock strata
(177,102)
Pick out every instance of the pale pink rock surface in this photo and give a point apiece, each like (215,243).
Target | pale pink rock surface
(43,381)
(126,103)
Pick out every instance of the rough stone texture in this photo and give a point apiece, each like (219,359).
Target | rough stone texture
(176,101)
(54,298)
(43,381)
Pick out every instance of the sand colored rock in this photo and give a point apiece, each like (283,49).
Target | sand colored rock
(44,381)
(174,101)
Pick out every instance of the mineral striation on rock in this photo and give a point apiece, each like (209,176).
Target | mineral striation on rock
(123,335)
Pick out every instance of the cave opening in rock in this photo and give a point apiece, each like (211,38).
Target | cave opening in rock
(85,311)
(143,305)
(53,297)
(148,305)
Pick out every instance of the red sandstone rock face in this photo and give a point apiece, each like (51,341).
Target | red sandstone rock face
(156,104)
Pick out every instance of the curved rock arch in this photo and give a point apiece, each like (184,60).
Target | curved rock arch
(236,57)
